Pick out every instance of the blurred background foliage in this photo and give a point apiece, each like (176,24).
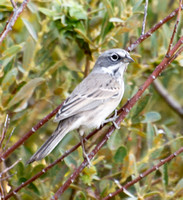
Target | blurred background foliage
(51,48)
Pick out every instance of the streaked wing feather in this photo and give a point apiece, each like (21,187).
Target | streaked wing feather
(90,93)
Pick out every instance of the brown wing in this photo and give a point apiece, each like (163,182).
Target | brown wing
(90,93)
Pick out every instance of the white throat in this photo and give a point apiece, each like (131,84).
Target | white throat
(115,70)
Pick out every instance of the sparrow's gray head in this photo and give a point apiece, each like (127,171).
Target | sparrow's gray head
(111,60)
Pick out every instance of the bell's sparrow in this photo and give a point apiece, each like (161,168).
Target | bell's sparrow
(92,101)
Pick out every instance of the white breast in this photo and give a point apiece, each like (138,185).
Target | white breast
(94,118)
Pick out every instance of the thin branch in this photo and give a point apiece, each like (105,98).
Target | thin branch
(152,30)
(8,28)
(44,170)
(49,116)
(10,23)
(7,177)
(145,16)
(168,98)
(147,172)
(8,168)
(177,53)
(175,28)
(125,110)
(13,4)
(29,133)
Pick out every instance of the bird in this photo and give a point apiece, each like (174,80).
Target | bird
(91,102)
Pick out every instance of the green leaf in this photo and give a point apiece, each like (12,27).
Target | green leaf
(156,153)
(115,19)
(20,169)
(154,45)
(47,12)
(138,131)
(151,117)
(152,194)
(120,154)
(84,36)
(165,174)
(33,187)
(9,78)
(179,186)
(106,27)
(28,52)
(12,51)
(150,135)
(70,161)
(88,175)
(37,169)
(76,11)
(95,22)
(115,141)
(26,91)
(30,29)
(136,6)
(108,7)
(6,62)
(140,107)
(80,196)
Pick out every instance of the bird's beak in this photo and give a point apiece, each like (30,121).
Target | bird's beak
(128,59)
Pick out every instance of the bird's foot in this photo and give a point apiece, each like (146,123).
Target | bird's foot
(112,119)
(85,155)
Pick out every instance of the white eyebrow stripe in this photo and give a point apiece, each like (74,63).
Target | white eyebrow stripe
(121,54)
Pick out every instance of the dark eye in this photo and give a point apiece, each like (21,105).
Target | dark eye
(114,57)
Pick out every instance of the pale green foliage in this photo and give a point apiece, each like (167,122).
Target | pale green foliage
(42,60)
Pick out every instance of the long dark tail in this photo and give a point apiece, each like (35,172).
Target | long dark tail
(50,144)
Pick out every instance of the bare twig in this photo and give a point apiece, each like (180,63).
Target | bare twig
(145,16)
(7,177)
(156,167)
(29,133)
(175,28)
(125,110)
(152,30)
(168,98)
(172,55)
(49,116)
(177,53)
(10,23)
(8,168)
(13,4)
(43,171)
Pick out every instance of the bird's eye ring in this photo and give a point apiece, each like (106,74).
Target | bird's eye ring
(114,57)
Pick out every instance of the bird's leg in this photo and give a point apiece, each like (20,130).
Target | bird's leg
(112,119)
(85,155)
